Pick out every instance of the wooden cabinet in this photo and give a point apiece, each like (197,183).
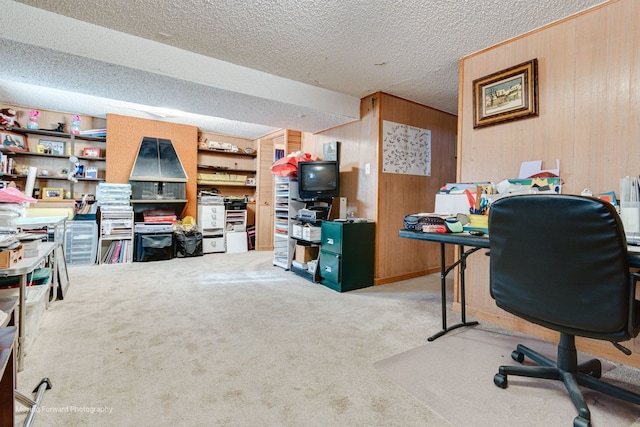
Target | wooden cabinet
(346,255)
(50,152)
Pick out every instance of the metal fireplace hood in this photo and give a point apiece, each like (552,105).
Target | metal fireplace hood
(158,180)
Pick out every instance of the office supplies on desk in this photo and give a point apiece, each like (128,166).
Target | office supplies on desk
(418,220)
(534,167)
(451,203)
(630,204)
(633,239)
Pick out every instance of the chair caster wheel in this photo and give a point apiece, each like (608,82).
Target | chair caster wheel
(500,380)
(517,356)
(581,422)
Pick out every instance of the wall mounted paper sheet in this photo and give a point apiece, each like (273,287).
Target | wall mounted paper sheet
(406,149)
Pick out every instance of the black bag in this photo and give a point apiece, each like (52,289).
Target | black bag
(154,247)
(188,244)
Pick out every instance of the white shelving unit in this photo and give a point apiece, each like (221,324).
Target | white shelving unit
(236,230)
(286,207)
(115,244)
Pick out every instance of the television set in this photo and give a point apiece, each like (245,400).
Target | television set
(318,181)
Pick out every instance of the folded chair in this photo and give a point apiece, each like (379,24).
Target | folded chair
(560,261)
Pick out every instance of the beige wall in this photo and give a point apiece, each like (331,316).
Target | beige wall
(384,197)
(589,99)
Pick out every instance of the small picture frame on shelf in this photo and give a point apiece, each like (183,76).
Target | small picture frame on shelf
(91,172)
(13,141)
(91,152)
(51,147)
(49,193)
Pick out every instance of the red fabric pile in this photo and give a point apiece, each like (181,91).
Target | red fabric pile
(288,166)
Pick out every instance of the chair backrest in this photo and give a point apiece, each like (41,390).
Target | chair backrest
(561,261)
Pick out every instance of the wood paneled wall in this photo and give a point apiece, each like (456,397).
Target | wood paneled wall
(124,135)
(358,146)
(589,99)
(404,194)
(386,198)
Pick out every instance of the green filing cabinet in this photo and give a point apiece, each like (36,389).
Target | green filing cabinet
(346,255)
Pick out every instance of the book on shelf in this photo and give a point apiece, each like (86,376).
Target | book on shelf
(116,252)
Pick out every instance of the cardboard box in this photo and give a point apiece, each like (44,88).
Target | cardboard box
(31,244)
(306,253)
(30,248)
(311,233)
(312,265)
(299,264)
(9,258)
(296,231)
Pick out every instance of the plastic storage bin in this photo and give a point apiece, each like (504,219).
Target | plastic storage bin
(81,244)
(113,192)
(36,304)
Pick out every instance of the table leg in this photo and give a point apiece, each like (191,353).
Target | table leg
(462,262)
(22,309)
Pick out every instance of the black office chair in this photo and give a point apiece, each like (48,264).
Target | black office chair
(560,261)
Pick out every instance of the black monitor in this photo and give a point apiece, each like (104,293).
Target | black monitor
(318,180)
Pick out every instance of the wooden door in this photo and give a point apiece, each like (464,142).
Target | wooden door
(264,200)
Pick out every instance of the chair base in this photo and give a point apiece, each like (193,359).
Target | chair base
(567,370)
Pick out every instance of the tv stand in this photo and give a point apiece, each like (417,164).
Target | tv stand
(309,219)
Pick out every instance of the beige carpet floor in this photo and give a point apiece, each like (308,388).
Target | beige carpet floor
(231,340)
(460,367)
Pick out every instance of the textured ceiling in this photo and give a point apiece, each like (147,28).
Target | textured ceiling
(256,65)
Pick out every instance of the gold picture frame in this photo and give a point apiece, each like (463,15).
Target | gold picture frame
(50,193)
(507,95)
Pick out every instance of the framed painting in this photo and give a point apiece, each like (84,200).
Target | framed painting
(507,95)
(330,151)
(13,141)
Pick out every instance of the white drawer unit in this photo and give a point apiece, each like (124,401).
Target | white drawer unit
(211,223)
(216,221)
(212,244)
